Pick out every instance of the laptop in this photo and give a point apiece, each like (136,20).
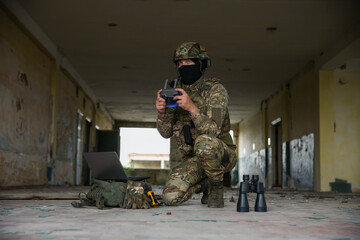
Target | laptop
(107,166)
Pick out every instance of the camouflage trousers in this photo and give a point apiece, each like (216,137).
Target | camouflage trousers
(212,158)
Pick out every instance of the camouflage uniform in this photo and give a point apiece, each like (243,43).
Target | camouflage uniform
(212,152)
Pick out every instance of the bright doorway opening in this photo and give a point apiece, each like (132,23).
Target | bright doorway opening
(144,148)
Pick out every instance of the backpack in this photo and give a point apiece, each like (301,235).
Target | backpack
(115,194)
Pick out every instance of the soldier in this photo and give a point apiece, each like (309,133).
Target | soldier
(200,126)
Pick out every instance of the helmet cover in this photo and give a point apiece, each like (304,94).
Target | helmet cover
(190,50)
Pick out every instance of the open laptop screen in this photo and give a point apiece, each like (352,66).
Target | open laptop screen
(105,166)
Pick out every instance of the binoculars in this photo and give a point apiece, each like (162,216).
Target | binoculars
(253,186)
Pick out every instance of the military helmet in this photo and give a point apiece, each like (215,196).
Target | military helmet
(191,50)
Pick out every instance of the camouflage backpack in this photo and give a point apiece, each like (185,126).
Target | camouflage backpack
(115,194)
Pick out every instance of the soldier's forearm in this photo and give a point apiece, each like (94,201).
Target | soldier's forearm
(194,111)
(205,125)
(164,126)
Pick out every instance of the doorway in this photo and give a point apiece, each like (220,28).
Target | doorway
(82,171)
(277,154)
(85,176)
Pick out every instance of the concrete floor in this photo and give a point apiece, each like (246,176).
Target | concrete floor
(47,214)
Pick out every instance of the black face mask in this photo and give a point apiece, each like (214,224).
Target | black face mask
(190,73)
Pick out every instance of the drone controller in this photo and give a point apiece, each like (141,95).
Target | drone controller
(169,94)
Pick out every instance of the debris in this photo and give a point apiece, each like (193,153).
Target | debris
(5,212)
(322,197)
(11,233)
(44,210)
(340,185)
(45,216)
(168,213)
(232,199)
(44,233)
(199,220)
(317,217)
(208,220)
(67,229)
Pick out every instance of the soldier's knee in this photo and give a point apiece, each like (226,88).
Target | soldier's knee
(202,138)
(206,145)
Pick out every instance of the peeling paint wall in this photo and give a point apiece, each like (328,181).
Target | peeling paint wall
(301,163)
(295,107)
(253,164)
(39,102)
(25,105)
(65,131)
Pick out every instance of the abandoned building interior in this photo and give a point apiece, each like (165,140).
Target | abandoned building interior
(74,73)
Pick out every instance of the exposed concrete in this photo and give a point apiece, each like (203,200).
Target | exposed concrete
(291,215)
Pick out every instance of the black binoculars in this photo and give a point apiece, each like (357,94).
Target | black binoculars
(253,186)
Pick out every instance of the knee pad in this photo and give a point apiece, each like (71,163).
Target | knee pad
(172,198)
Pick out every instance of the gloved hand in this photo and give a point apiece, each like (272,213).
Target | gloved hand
(135,196)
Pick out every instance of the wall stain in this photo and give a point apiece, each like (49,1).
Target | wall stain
(41,137)
(20,127)
(4,144)
(23,79)
(18,103)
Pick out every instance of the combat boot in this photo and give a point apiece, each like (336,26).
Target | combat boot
(205,197)
(216,194)
(205,190)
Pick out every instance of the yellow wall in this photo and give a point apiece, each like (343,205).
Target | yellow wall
(303,103)
(103,122)
(340,127)
(277,107)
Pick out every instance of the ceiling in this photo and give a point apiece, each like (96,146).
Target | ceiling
(255,46)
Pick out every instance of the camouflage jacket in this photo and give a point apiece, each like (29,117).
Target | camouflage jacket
(211,98)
